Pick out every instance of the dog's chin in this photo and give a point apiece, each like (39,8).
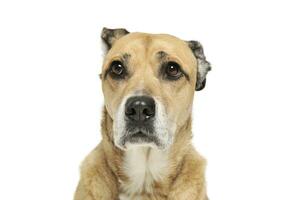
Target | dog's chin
(139,139)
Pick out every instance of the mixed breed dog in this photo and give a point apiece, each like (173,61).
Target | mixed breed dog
(148,82)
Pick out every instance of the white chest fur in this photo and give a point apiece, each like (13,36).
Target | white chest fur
(143,166)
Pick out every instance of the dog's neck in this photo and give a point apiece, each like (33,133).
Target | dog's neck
(140,166)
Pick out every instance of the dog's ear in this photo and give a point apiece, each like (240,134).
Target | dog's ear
(203,65)
(109,36)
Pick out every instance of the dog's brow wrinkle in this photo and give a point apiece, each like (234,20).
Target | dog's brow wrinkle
(126,56)
(161,54)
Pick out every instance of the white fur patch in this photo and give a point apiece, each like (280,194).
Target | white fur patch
(143,166)
(119,123)
(163,128)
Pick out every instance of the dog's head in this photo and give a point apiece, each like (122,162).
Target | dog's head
(148,81)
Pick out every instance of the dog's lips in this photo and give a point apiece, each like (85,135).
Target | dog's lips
(139,134)
(140,137)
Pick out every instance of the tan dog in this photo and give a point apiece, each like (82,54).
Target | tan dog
(148,81)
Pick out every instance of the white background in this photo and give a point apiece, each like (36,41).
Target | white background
(246,121)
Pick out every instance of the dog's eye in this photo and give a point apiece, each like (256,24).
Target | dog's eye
(117,70)
(173,70)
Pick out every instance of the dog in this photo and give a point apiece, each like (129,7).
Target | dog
(148,82)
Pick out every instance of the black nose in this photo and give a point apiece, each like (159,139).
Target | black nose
(140,108)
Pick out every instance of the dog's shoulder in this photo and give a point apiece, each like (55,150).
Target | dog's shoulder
(194,160)
(95,169)
(93,159)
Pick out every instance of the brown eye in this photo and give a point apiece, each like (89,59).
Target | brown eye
(117,70)
(173,70)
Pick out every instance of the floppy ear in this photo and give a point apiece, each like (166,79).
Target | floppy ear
(203,65)
(109,36)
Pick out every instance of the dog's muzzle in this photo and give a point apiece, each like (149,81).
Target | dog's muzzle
(142,120)
(140,112)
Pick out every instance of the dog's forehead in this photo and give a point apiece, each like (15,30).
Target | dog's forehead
(144,44)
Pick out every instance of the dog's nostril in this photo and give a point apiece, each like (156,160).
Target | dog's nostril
(147,112)
(130,111)
(140,108)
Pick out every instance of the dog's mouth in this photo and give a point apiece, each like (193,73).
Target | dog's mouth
(139,134)
(140,137)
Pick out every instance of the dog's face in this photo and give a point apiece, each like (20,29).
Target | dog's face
(148,82)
